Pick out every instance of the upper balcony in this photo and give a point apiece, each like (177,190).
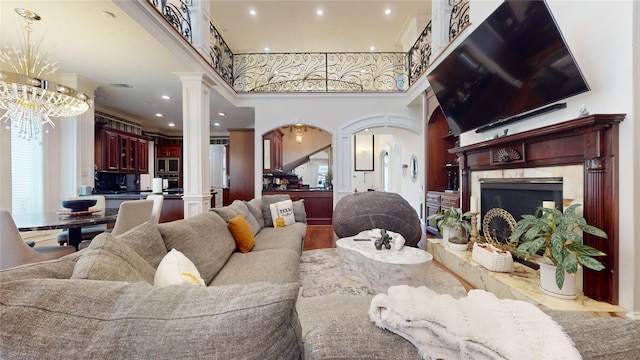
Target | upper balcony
(323,72)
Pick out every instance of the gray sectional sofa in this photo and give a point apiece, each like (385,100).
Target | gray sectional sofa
(100,302)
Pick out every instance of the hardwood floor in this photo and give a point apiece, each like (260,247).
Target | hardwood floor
(323,237)
(319,237)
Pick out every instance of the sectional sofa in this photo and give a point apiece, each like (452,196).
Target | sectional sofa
(101,302)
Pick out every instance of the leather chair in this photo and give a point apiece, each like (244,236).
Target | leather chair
(88,232)
(14,251)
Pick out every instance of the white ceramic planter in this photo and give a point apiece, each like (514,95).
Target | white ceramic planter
(548,281)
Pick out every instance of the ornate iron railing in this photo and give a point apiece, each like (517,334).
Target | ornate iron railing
(459,17)
(220,55)
(319,72)
(314,72)
(420,54)
(179,18)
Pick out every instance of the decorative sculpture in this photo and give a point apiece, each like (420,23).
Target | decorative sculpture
(383,240)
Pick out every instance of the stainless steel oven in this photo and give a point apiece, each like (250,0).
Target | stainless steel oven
(168,165)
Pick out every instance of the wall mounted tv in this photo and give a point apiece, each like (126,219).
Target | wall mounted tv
(512,65)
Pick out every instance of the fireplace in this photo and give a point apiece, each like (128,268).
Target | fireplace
(590,141)
(517,196)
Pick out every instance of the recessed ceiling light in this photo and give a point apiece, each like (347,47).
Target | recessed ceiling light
(159,115)
(387,11)
(216,124)
(222,114)
(172,124)
(166,97)
(319,12)
(252,12)
(266,49)
(372,48)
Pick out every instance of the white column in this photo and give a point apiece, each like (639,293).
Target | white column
(196,164)
(440,14)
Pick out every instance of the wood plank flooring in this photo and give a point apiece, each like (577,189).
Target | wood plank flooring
(323,237)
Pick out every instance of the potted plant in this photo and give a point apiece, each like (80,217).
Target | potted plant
(454,227)
(556,234)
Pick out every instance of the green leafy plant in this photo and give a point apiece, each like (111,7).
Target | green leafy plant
(452,218)
(555,233)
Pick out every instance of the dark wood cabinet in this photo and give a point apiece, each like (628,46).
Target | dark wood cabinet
(120,152)
(107,150)
(169,151)
(442,169)
(318,204)
(142,152)
(272,151)
(241,164)
(436,202)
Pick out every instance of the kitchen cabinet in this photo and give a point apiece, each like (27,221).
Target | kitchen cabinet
(107,150)
(168,151)
(272,151)
(120,152)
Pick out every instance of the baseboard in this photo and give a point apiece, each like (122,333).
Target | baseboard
(633,315)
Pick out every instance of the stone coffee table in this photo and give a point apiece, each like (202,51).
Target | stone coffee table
(380,269)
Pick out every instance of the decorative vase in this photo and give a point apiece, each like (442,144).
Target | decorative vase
(457,238)
(548,281)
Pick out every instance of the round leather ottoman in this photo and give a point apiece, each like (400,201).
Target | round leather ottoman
(376,209)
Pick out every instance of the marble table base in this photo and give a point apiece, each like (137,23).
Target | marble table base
(380,269)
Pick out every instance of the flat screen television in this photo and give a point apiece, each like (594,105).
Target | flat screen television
(513,63)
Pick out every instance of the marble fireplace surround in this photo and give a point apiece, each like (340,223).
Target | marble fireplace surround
(586,145)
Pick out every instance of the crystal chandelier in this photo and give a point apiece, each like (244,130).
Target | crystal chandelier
(28,99)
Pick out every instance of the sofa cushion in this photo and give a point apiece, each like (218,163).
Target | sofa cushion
(278,266)
(60,268)
(146,240)
(107,258)
(177,269)
(117,320)
(255,208)
(238,207)
(267,200)
(299,212)
(204,239)
(599,337)
(338,327)
(242,233)
(282,213)
(290,237)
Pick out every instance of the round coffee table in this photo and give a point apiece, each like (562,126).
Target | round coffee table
(380,269)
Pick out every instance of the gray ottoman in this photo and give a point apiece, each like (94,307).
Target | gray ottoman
(376,209)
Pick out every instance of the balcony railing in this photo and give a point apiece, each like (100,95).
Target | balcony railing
(314,72)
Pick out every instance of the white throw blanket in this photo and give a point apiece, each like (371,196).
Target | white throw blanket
(479,326)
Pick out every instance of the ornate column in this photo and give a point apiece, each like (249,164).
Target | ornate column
(196,164)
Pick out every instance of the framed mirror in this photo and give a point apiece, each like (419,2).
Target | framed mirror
(363,146)
(413,168)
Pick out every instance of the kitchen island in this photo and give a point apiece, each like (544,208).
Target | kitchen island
(318,203)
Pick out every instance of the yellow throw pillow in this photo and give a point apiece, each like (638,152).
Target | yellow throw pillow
(242,233)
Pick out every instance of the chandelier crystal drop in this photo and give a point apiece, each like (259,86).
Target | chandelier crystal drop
(28,99)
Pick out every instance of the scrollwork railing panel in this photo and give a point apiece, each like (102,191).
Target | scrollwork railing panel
(459,18)
(258,71)
(373,71)
(419,55)
(220,55)
(177,14)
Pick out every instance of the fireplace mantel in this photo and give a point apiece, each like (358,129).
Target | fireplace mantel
(591,141)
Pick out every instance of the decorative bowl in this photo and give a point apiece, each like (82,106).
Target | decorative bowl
(78,205)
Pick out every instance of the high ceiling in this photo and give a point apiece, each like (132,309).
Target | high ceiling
(132,70)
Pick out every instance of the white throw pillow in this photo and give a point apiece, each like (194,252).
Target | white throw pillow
(176,269)
(282,213)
